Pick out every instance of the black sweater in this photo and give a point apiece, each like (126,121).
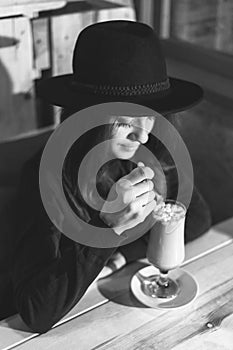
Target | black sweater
(48,272)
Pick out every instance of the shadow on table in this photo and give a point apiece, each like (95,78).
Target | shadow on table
(225,227)
(117,287)
(15,322)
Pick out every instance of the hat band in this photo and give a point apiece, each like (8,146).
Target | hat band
(127,90)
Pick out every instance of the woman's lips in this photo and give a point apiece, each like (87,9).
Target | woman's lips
(129,148)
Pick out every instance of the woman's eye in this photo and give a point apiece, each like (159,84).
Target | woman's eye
(125,125)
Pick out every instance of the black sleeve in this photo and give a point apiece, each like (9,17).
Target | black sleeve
(50,272)
(50,275)
(198,218)
(135,250)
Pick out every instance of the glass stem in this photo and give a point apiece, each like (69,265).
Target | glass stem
(163,279)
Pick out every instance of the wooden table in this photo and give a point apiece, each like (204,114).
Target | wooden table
(109,317)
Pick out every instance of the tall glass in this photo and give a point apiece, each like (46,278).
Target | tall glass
(166,249)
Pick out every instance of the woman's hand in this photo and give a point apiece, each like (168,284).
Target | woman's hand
(130,200)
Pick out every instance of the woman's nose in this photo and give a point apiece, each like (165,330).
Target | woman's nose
(139,134)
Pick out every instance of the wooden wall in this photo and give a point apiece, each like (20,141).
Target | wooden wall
(38,44)
(17,104)
(206,23)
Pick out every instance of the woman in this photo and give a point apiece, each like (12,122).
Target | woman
(122,138)
(113,61)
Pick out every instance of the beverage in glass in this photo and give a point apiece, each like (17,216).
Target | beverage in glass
(166,248)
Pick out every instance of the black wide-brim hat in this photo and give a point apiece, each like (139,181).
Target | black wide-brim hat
(120,61)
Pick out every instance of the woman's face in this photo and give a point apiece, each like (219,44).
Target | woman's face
(128,134)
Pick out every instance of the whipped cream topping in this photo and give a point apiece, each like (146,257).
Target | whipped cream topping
(168,212)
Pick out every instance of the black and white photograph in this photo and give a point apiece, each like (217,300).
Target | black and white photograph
(116,174)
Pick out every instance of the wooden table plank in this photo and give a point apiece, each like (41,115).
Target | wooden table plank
(124,323)
(13,331)
(180,327)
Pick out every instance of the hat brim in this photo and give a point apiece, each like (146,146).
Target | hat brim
(181,96)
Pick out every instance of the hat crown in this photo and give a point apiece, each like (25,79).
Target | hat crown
(119,61)
(118,53)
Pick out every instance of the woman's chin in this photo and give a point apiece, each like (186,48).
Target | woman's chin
(125,156)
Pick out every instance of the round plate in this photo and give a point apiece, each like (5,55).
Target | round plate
(188,289)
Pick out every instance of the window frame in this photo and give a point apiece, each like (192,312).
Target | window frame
(212,69)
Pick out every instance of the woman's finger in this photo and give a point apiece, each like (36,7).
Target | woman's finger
(143,200)
(148,208)
(139,174)
(142,187)
(141,164)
